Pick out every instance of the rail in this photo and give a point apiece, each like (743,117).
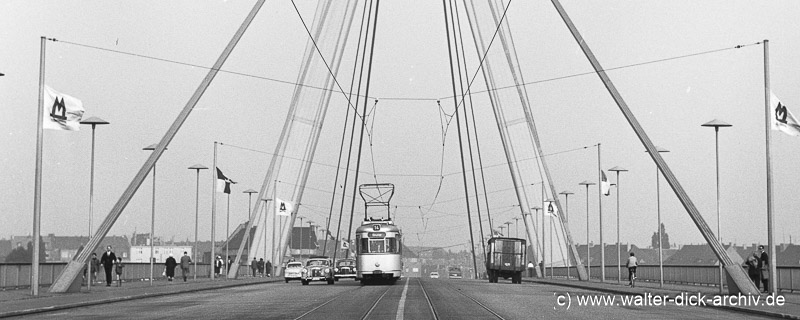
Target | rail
(18,275)
(788,276)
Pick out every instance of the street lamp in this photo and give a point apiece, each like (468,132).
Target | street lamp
(516,227)
(587,183)
(717,124)
(566,194)
(94,121)
(249,193)
(152,212)
(550,214)
(301,236)
(310,236)
(658,212)
(197,168)
(619,263)
(266,203)
(535,216)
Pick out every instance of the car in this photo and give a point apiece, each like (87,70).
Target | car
(454,273)
(345,268)
(317,269)
(292,271)
(434,275)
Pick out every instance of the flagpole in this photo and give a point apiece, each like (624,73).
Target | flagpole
(227,235)
(600,206)
(37,189)
(213,212)
(770,219)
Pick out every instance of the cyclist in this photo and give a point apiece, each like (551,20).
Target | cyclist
(632,264)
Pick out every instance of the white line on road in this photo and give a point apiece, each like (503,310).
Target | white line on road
(402,304)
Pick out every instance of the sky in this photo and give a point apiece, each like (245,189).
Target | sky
(141,97)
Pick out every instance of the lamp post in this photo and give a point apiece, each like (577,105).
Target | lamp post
(619,252)
(658,212)
(94,121)
(152,213)
(587,183)
(266,203)
(535,216)
(550,213)
(197,168)
(516,227)
(249,193)
(717,124)
(566,194)
(310,236)
(301,236)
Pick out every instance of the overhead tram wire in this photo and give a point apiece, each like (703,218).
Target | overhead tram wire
(404,98)
(458,124)
(480,65)
(364,27)
(471,106)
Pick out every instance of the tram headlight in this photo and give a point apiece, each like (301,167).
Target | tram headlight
(377,264)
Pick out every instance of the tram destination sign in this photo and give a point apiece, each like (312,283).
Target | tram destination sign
(377,234)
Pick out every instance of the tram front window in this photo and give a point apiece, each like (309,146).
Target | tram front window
(386,245)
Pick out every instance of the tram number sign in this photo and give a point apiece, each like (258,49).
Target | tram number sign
(376,227)
(377,234)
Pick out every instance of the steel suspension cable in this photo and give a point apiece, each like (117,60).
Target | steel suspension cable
(364,28)
(458,126)
(470,105)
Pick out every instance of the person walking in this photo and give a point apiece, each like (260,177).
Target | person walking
(530,268)
(254,266)
(217,265)
(763,265)
(170,265)
(186,262)
(95,267)
(108,260)
(632,264)
(261,267)
(268,268)
(118,270)
(753,271)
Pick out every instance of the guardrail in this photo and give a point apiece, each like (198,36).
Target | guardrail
(788,277)
(15,275)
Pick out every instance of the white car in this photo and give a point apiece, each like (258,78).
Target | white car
(434,275)
(292,271)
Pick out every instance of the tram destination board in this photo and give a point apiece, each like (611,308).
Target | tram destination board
(377,234)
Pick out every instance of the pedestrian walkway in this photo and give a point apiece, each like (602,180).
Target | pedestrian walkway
(789,310)
(20,301)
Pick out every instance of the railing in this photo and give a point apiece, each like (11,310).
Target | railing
(14,275)
(788,277)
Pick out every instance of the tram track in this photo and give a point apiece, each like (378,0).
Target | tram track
(366,314)
(453,289)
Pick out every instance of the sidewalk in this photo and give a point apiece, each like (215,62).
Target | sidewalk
(20,301)
(789,310)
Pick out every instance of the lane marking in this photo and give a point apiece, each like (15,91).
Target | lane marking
(401,306)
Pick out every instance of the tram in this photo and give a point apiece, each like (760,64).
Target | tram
(378,251)
(379,241)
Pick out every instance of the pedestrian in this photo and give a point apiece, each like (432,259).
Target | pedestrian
(530,268)
(95,267)
(752,269)
(228,268)
(186,261)
(632,264)
(118,270)
(261,267)
(764,267)
(170,267)
(108,260)
(217,265)
(254,266)
(268,268)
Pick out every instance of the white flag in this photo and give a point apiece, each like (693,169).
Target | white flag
(552,209)
(61,112)
(604,186)
(283,208)
(782,118)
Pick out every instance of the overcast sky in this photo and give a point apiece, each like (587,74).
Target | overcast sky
(141,97)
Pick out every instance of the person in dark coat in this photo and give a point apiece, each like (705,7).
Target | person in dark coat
(268,268)
(260,266)
(763,265)
(118,271)
(254,266)
(170,264)
(185,264)
(95,264)
(108,259)
(753,271)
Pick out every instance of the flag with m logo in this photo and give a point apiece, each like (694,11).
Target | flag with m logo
(61,112)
